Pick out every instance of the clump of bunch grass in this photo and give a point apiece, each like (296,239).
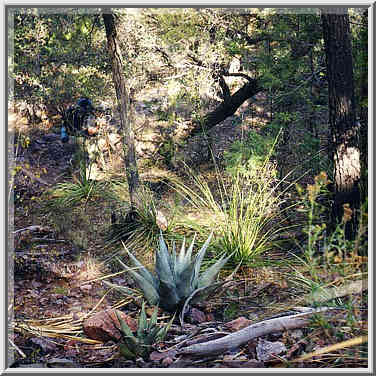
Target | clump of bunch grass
(177,277)
(80,189)
(246,208)
(139,226)
(148,333)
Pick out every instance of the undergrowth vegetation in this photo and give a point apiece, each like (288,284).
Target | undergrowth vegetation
(246,208)
(246,235)
(328,259)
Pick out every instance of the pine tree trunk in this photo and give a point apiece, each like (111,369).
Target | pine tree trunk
(344,150)
(122,95)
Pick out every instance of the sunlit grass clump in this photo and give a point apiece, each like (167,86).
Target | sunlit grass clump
(245,208)
(79,190)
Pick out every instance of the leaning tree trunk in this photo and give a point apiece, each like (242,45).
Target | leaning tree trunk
(344,150)
(229,106)
(124,105)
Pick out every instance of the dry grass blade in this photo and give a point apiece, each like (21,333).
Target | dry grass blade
(17,348)
(338,346)
(64,326)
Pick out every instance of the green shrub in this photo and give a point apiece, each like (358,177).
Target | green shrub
(325,256)
(249,153)
(140,228)
(68,194)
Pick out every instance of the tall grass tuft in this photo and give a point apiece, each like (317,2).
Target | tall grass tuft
(81,188)
(245,208)
(138,229)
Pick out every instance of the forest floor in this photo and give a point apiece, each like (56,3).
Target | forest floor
(57,284)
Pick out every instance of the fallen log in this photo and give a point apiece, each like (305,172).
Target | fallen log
(242,336)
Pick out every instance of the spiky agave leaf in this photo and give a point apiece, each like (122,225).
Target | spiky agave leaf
(163,331)
(121,289)
(203,293)
(149,290)
(173,257)
(154,317)
(188,255)
(198,261)
(207,278)
(127,354)
(184,284)
(142,322)
(130,341)
(180,261)
(141,268)
(169,299)
(151,336)
(163,264)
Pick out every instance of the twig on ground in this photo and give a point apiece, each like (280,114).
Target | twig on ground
(34,228)
(44,240)
(17,348)
(322,295)
(32,176)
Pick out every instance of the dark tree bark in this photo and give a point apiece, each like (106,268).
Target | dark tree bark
(122,95)
(363,108)
(344,150)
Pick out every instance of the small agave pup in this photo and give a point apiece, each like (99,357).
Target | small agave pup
(177,277)
(148,333)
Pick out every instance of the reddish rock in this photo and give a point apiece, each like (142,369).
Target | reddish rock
(195,316)
(243,364)
(103,325)
(156,356)
(239,323)
(210,317)
(167,361)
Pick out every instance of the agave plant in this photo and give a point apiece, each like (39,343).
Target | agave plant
(148,333)
(176,277)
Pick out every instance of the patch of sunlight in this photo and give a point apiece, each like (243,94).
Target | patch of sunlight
(89,269)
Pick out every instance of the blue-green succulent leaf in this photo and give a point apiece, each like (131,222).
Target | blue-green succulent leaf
(121,289)
(188,255)
(169,299)
(184,281)
(141,268)
(208,277)
(154,317)
(148,289)
(204,293)
(163,264)
(142,322)
(127,354)
(126,330)
(198,261)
